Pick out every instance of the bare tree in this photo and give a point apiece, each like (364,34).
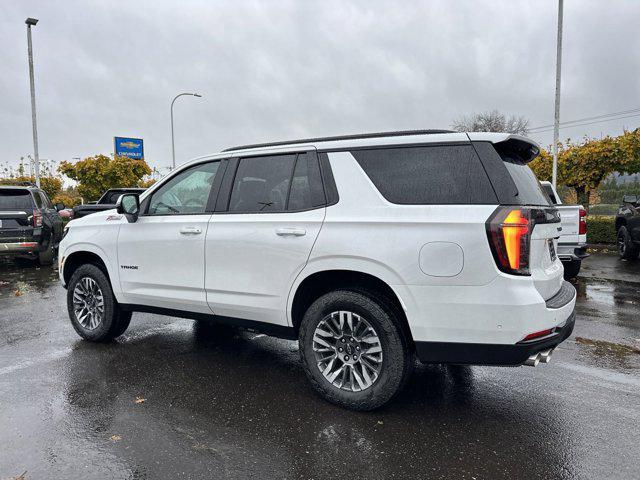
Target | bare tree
(492,121)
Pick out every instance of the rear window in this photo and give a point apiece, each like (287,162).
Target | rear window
(17,199)
(529,188)
(427,175)
(549,191)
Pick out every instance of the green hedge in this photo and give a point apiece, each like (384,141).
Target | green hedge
(604,209)
(601,229)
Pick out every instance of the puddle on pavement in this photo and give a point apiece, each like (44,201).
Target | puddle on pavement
(18,277)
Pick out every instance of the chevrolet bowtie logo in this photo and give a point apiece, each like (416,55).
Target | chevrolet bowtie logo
(129,144)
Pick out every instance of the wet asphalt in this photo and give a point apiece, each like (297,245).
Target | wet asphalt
(175,398)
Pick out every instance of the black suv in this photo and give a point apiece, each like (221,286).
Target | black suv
(29,223)
(628,227)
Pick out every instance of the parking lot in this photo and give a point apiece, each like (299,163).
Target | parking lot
(175,398)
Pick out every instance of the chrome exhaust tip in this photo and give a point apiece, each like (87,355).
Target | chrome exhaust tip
(533,360)
(545,357)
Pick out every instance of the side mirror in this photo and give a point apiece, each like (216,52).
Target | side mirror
(633,199)
(129,206)
(60,206)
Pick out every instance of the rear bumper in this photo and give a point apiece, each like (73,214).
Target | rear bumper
(19,248)
(571,252)
(491,354)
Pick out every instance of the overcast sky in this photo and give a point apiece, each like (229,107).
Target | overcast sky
(274,70)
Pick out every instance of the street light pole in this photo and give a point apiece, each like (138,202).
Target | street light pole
(31,22)
(173,145)
(556,121)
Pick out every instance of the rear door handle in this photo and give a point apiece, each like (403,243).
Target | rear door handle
(290,232)
(190,231)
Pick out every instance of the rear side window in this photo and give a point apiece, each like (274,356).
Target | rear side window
(15,199)
(529,189)
(549,191)
(262,184)
(428,175)
(278,183)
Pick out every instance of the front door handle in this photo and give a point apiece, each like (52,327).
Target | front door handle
(290,232)
(190,231)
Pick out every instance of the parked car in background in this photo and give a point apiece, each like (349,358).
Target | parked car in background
(106,202)
(29,223)
(367,249)
(628,227)
(572,244)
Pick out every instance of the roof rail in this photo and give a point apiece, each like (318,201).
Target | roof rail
(341,137)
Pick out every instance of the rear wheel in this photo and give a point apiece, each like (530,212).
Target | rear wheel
(353,350)
(626,248)
(93,310)
(571,269)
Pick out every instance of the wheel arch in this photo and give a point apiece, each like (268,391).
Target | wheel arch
(319,282)
(80,257)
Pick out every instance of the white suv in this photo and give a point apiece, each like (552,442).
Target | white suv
(368,249)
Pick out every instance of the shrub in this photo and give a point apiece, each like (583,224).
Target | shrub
(601,229)
(604,209)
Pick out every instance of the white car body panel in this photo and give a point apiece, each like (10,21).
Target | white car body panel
(252,260)
(162,262)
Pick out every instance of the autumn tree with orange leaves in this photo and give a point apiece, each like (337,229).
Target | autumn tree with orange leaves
(585,165)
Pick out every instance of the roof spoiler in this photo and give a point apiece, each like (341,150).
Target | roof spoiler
(525,149)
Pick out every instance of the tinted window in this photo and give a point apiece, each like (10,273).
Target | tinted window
(17,199)
(261,184)
(449,174)
(306,184)
(38,199)
(549,191)
(529,189)
(45,200)
(186,193)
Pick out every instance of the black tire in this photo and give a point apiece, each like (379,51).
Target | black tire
(46,257)
(397,355)
(626,248)
(113,321)
(571,269)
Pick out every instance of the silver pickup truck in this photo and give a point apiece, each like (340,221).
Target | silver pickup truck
(572,245)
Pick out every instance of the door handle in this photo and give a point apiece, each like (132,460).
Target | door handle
(190,231)
(290,232)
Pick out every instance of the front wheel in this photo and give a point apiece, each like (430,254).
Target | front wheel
(626,248)
(93,310)
(353,350)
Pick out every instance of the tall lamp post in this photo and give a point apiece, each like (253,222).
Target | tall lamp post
(556,117)
(173,145)
(31,22)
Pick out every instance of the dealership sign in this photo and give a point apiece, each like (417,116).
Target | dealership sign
(129,147)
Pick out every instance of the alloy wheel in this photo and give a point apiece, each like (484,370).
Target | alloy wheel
(88,303)
(348,351)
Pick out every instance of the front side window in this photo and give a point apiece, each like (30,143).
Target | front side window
(186,193)
(261,184)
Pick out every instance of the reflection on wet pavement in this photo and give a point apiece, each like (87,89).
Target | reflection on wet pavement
(222,403)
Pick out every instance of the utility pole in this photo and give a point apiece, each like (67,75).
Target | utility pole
(556,121)
(31,22)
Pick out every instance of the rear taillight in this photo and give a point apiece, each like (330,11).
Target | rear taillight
(37,218)
(582,229)
(509,232)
